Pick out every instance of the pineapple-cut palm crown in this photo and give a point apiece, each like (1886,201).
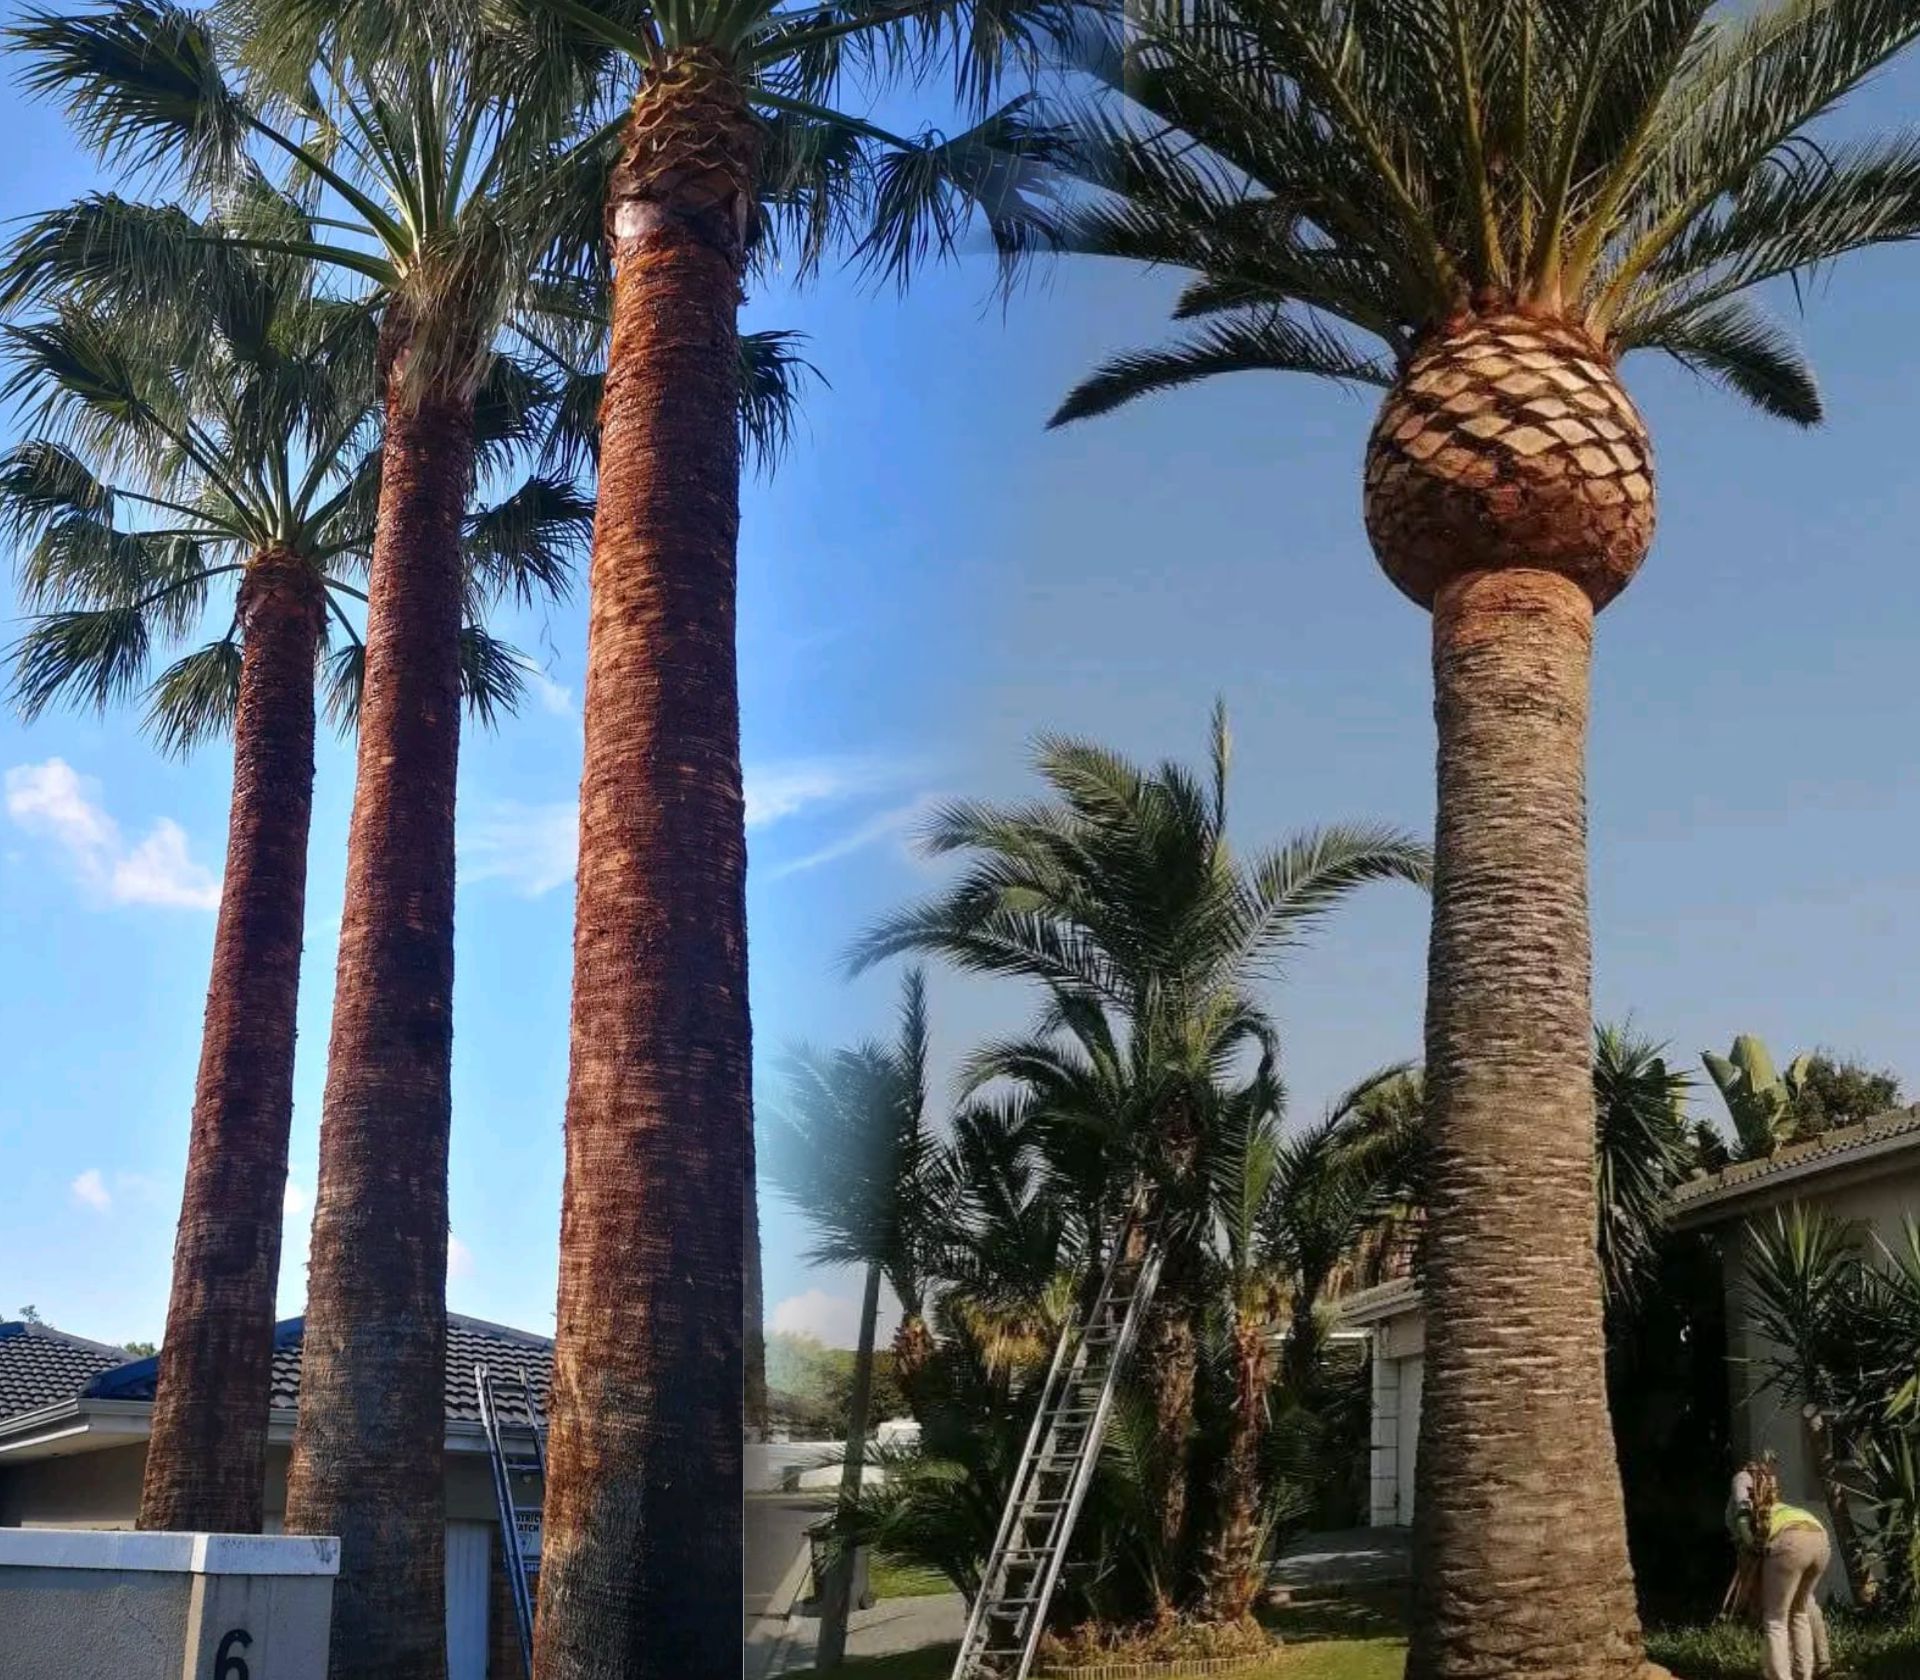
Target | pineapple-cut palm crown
(1336,172)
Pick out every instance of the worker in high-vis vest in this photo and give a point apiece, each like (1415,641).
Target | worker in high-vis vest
(1793,1551)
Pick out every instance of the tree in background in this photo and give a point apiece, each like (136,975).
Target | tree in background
(1815,1093)
(1122,897)
(216,450)
(849,1146)
(1840,1319)
(1481,207)
(1643,1148)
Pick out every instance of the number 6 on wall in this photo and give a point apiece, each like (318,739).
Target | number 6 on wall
(228,1664)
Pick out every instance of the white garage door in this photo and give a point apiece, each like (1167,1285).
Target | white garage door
(1409,1425)
(468,1545)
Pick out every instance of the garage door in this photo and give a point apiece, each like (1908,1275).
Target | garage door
(1411,1371)
(468,1546)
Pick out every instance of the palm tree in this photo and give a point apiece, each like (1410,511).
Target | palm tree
(1805,1280)
(1505,197)
(226,438)
(850,1148)
(1643,1148)
(723,137)
(1122,896)
(428,196)
(1292,1212)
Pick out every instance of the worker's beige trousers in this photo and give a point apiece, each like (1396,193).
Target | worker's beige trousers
(1790,1619)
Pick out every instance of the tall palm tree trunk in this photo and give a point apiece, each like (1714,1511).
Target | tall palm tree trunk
(640,1567)
(206,1456)
(367,1452)
(1520,1538)
(836,1595)
(1233,1582)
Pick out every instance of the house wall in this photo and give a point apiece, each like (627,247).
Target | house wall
(102,1490)
(76,1490)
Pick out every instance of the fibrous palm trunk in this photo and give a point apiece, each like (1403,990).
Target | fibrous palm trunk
(367,1452)
(1509,488)
(1169,1364)
(836,1592)
(206,1463)
(1233,1580)
(641,1567)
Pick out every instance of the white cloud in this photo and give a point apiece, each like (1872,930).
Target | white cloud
(90,1190)
(533,848)
(781,790)
(555,698)
(159,871)
(530,847)
(888,825)
(55,803)
(298,1201)
(832,1319)
(459,1260)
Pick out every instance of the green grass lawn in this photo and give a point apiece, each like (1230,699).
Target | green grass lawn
(1357,1641)
(1365,1639)
(891,1578)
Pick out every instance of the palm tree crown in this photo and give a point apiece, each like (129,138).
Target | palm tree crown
(175,445)
(1339,171)
(851,1147)
(1123,897)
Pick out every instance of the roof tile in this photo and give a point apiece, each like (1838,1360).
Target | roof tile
(69,1367)
(40,1365)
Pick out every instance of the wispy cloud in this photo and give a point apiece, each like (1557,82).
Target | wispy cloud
(532,848)
(778,791)
(297,1203)
(555,698)
(459,1260)
(893,825)
(90,1190)
(53,802)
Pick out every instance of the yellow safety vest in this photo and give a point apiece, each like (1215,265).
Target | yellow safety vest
(1784,1517)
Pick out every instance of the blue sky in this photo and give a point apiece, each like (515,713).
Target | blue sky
(930,579)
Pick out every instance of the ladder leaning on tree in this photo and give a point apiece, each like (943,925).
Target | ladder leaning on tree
(515,1446)
(1056,1467)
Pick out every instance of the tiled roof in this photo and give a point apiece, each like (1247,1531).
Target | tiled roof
(1832,1149)
(470,1342)
(40,1365)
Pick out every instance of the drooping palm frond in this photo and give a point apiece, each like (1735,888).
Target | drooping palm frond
(179,440)
(1339,171)
(849,1144)
(1643,1149)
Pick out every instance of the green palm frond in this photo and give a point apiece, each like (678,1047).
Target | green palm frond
(492,676)
(773,376)
(526,545)
(1733,343)
(141,83)
(94,658)
(194,700)
(1643,1149)
(1263,340)
(1629,166)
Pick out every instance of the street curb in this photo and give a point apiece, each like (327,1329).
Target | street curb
(771,1634)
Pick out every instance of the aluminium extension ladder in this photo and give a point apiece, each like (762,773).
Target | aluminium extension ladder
(519,1457)
(1056,1468)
